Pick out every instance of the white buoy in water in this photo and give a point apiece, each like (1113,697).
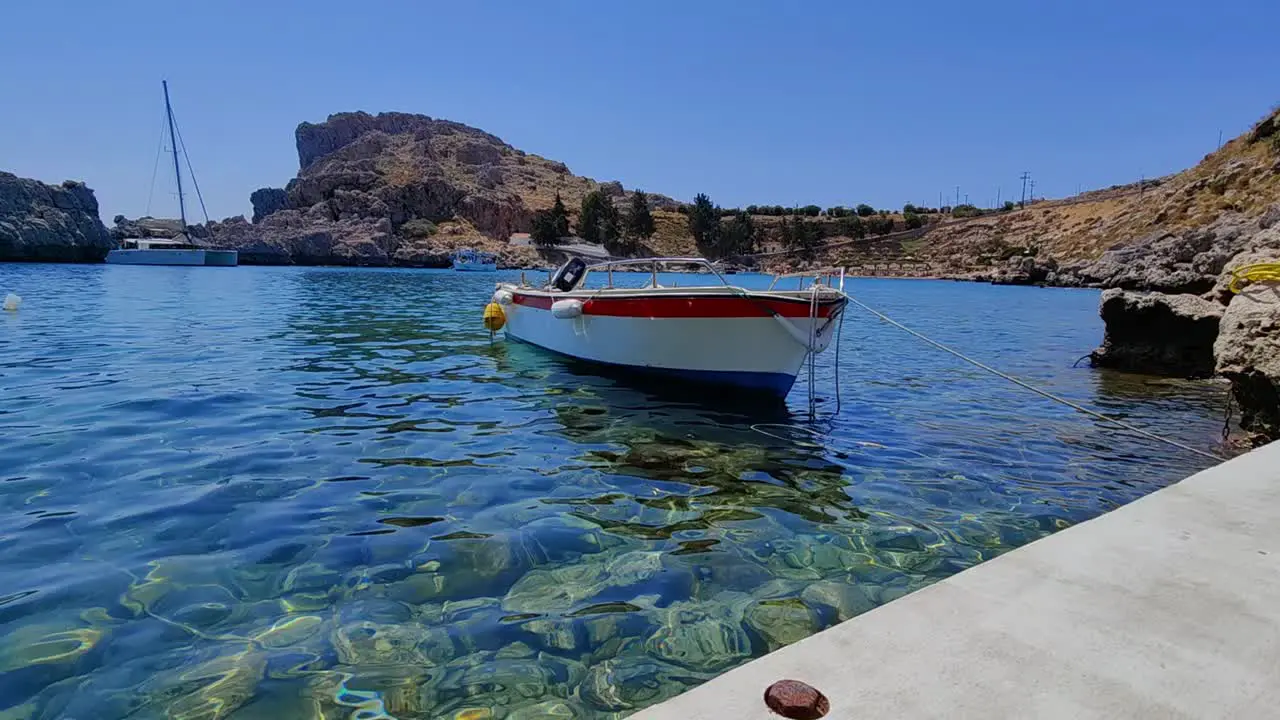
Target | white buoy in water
(11,302)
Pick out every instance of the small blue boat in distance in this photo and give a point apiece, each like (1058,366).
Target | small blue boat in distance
(469,260)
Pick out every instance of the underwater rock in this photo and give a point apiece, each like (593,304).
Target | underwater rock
(369,643)
(800,560)
(557,634)
(483,680)
(843,599)
(782,622)
(220,686)
(556,590)
(42,644)
(547,710)
(631,682)
(290,631)
(699,636)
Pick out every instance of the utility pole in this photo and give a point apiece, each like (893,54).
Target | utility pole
(957,195)
(940,203)
(1025,176)
(997,207)
(1033,192)
(966,198)
(1219,139)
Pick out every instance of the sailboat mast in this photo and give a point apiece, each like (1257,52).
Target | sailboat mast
(173,143)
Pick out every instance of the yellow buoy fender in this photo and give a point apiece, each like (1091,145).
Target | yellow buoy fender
(494,317)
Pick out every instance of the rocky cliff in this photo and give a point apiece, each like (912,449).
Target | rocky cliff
(50,223)
(401,189)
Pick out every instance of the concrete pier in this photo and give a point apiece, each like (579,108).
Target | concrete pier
(1168,607)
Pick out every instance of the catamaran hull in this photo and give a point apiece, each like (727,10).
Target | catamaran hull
(721,341)
(212,258)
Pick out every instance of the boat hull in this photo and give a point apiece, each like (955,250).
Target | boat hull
(211,258)
(718,340)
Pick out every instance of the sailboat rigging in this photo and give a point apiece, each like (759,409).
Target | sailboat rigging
(181,249)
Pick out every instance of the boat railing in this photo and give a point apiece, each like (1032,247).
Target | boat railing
(653,264)
(825,276)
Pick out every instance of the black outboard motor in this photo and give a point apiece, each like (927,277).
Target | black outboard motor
(569,275)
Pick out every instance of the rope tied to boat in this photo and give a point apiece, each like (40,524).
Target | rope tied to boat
(1045,393)
(1255,273)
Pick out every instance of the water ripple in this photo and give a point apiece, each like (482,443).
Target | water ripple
(282,492)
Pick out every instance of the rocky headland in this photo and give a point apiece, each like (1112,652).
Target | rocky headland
(401,189)
(50,223)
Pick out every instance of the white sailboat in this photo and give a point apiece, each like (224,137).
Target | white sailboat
(181,249)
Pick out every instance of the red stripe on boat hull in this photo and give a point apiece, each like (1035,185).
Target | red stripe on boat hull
(709,306)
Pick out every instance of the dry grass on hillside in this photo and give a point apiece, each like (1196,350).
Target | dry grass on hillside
(1243,176)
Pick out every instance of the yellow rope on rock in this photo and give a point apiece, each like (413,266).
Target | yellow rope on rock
(1258,272)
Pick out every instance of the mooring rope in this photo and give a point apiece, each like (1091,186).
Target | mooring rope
(1075,406)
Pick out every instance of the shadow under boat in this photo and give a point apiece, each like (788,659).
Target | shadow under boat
(756,405)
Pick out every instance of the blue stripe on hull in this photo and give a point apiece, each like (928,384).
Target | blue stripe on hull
(765,383)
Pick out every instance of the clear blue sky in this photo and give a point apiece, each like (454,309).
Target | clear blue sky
(826,102)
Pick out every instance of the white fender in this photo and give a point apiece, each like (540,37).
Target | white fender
(566,309)
(503,297)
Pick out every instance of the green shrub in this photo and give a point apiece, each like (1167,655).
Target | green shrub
(418,228)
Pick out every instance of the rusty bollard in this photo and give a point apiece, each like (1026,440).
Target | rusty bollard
(796,700)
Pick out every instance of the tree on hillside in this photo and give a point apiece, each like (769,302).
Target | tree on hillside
(1009,205)
(639,226)
(589,219)
(852,227)
(560,218)
(912,220)
(599,222)
(865,210)
(805,237)
(545,233)
(704,224)
(811,210)
(739,235)
(610,228)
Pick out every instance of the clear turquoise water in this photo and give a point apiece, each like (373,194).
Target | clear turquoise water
(278,492)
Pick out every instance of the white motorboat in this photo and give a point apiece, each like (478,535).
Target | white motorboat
(181,249)
(717,334)
(475,261)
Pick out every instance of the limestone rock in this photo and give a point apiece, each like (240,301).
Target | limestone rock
(1158,334)
(268,200)
(1188,261)
(1248,353)
(782,622)
(50,223)
(1221,292)
(313,238)
(358,170)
